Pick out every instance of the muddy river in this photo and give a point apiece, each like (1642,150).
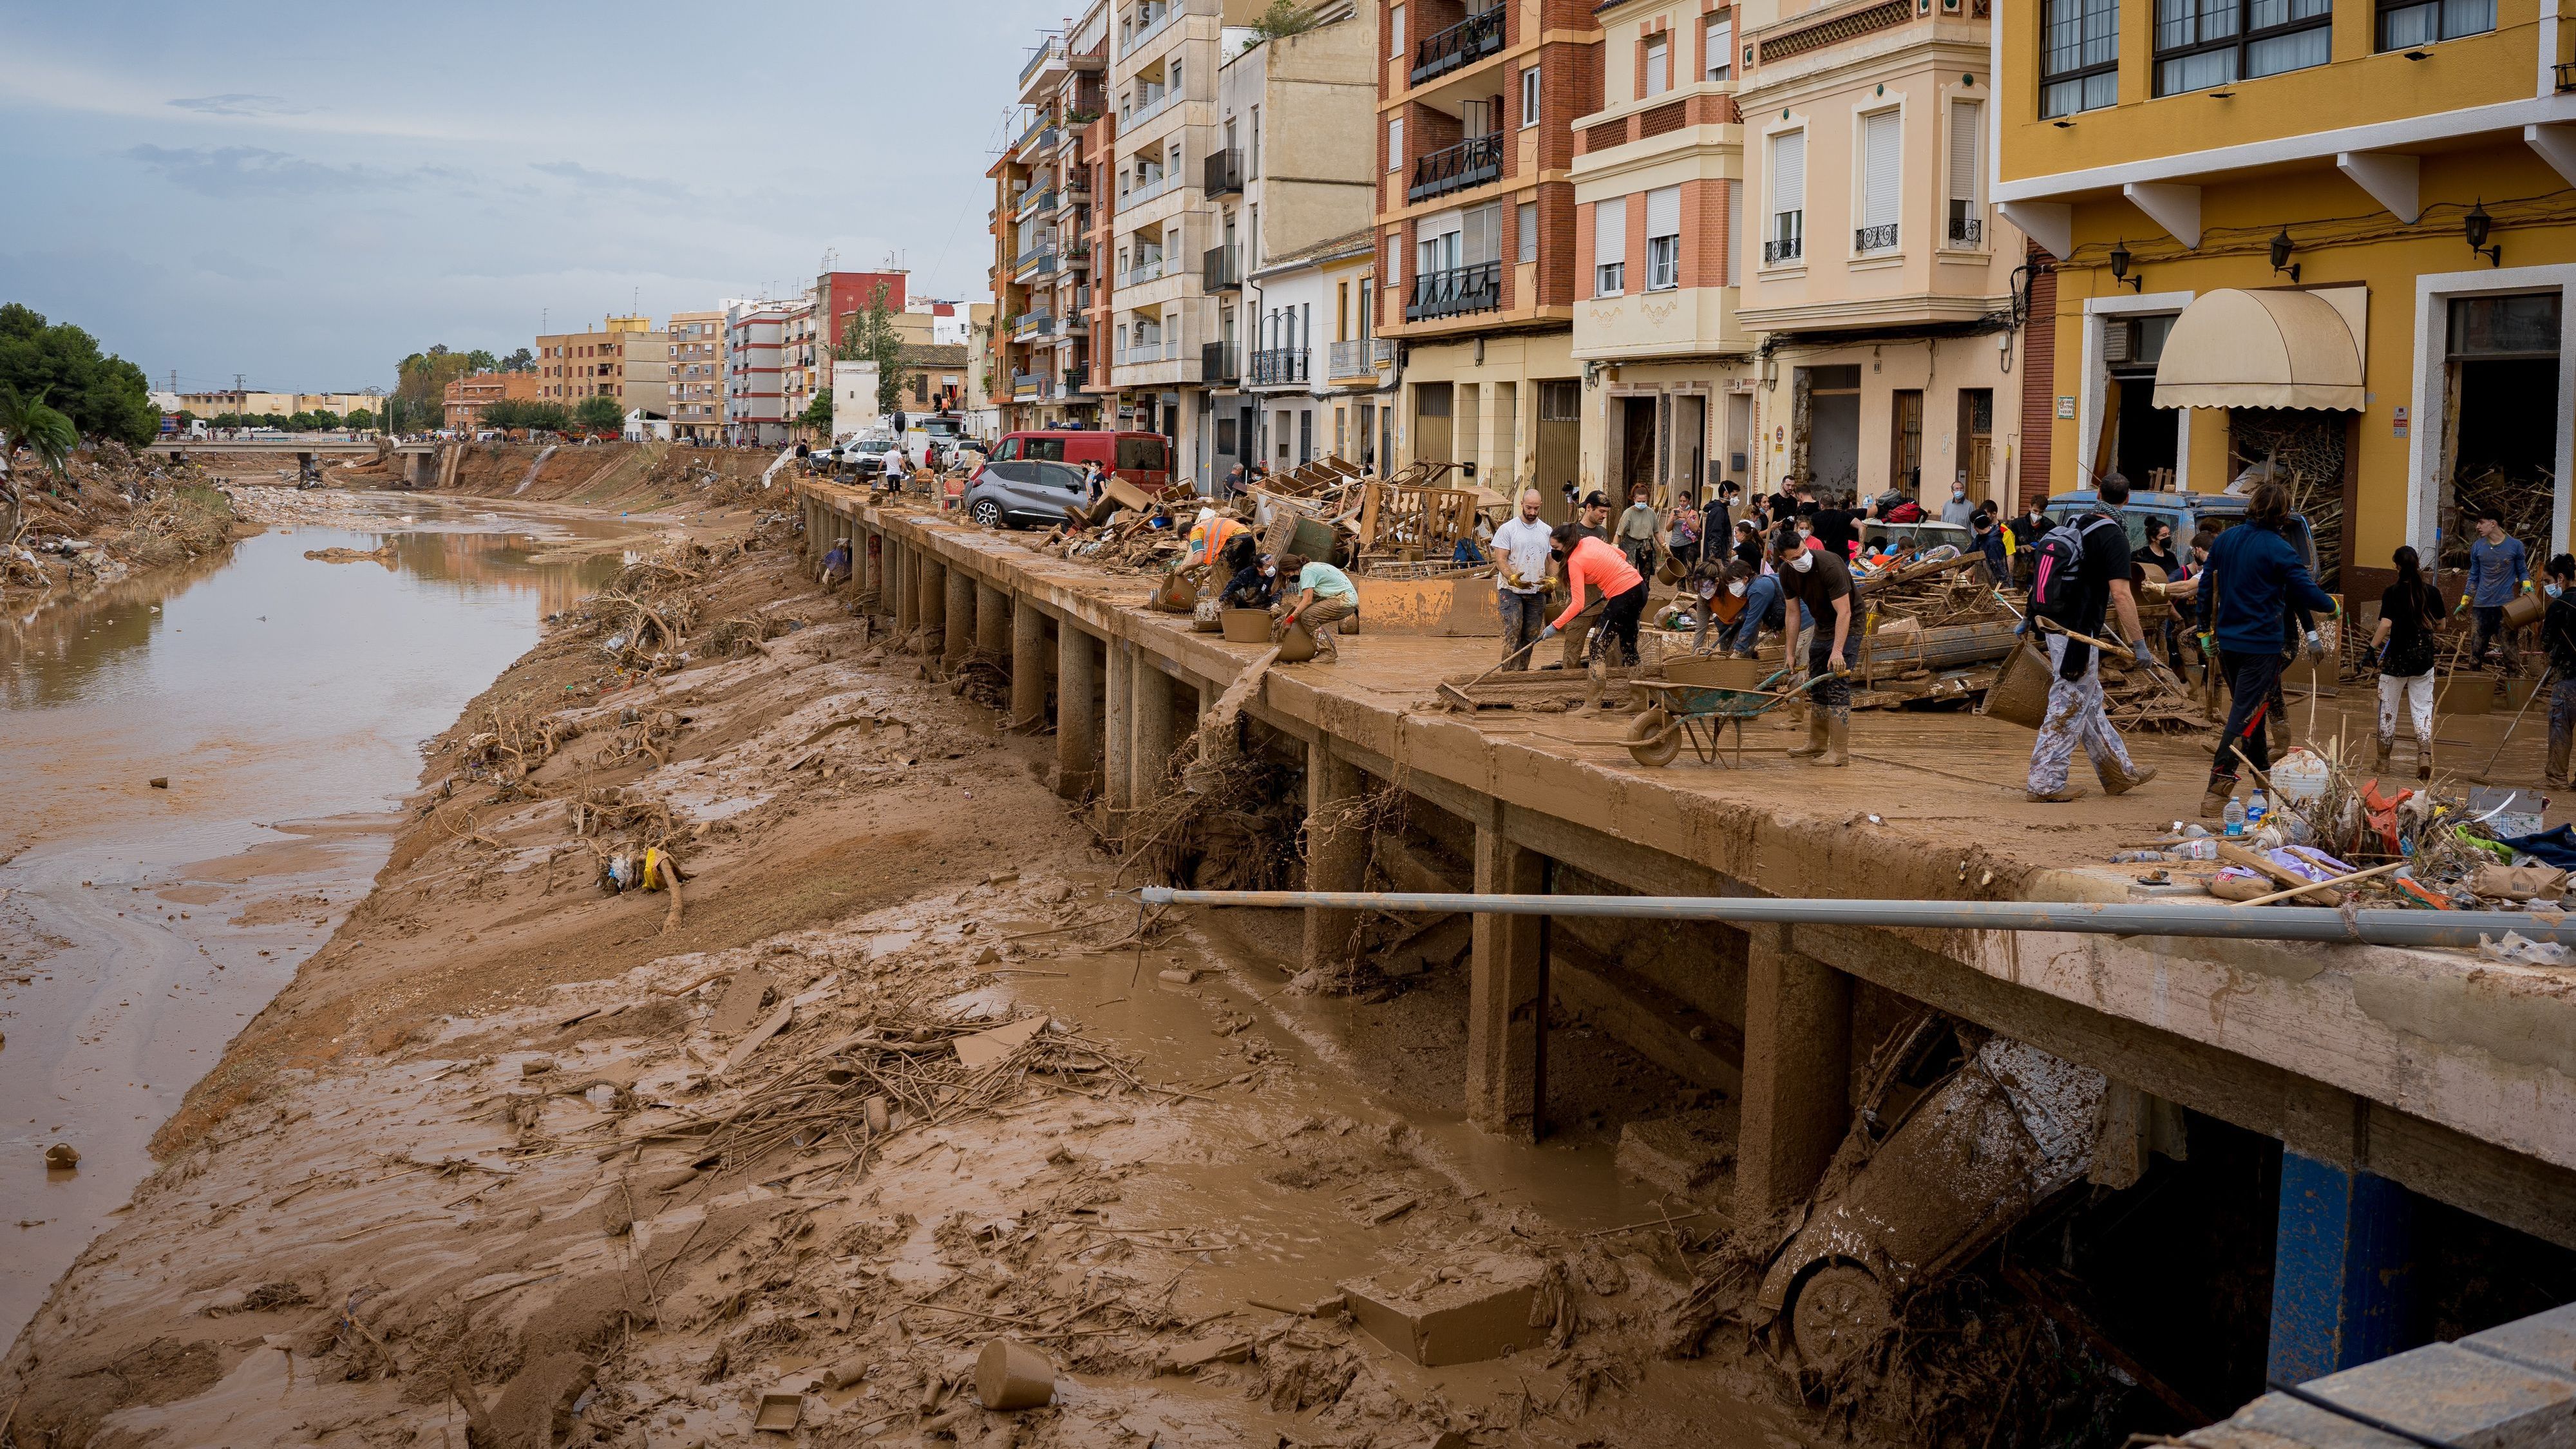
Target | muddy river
(200,771)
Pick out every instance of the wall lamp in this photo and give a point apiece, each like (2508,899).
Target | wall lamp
(2281,249)
(2120,269)
(2476,224)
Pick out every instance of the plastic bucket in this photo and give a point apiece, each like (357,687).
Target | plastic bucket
(2019,694)
(2524,610)
(1245,626)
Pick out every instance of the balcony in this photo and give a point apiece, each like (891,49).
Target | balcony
(1967,231)
(1153,186)
(1038,325)
(1456,292)
(1053,48)
(1461,45)
(1280,366)
(1781,249)
(1471,162)
(1150,23)
(1148,106)
(1216,363)
(1035,265)
(1149,270)
(1867,239)
(1222,173)
(1360,357)
(1218,271)
(1156,350)
(1041,133)
(1025,384)
(1078,256)
(1033,200)
(1076,379)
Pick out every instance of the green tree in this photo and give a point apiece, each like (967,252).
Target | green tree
(481,360)
(600,415)
(520,413)
(104,396)
(421,384)
(1284,18)
(358,418)
(520,361)
(870,336)
(818,414)
(29,422)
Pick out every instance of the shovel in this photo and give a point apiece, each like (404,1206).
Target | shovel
(2155,668)
(1457,694)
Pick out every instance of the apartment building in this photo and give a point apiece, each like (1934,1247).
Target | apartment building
(1313,381)
(1890,303)
(284,404)
(804,368)
(1289,186)
(755,361)
(625,359)
(1658,239)
(1045,198)
(467,396)
(1476,263)
(2332,237)
(696,375)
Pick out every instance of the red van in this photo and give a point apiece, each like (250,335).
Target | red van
(1144,459)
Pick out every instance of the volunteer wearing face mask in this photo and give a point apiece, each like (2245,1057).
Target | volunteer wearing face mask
(1817,589)
(1255,584)
(1590,561)
(1521,549)
(1762,607)
(2410,616)
(1958,509)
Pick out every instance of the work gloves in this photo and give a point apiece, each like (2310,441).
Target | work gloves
(1547,633)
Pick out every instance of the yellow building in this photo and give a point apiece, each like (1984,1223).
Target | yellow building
(2323,235)
(626,359)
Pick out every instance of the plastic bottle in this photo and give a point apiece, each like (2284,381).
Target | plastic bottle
(2235,816)
(2255,809)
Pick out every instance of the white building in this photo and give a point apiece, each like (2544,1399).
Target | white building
(755,363)
(854,398)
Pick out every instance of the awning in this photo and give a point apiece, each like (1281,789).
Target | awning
(2268,349)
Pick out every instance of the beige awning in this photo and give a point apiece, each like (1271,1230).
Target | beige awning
(2268,349)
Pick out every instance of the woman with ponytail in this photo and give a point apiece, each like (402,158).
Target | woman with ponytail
(2410,613)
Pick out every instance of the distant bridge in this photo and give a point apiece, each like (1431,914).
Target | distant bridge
(420,465)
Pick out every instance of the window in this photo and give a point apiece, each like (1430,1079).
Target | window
(1526,222)
(1394,258)
(2204,43)
(1967,155)
(2080,56)
(1721,45)
(2407,25)
(1659,65)
(1788,239)
(1663,238)
(1610,247)
(1882,185)
(1560,401)
(2517,324)
(1395,28)
(1395,143)
(1529,96)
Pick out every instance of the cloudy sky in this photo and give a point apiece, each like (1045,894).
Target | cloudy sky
(302,194)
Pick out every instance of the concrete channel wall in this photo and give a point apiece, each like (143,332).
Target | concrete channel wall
(2450,1075)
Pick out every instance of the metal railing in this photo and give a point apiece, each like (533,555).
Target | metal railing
(1138,196)
(1783,249)
(1218,272)
(1076,379)
(1154,26)
(1148,109)
(1216,362)
(1272,366)
(1966,231)
(1382,351)
(1035,264)
(1156,351)
(1039,325)
(1222,173)
(1033,200)
(1355,358)
(1054,47)
(1878,238)
(1041,132)
(1471,162)
(1471,39)
(1147,271)
(1024,384)
(1455,292)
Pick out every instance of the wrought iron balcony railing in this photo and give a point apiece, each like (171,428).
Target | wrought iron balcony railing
(1471,162)
(1455,292)
(1462,44)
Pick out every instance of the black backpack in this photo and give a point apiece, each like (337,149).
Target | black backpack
(2057,559)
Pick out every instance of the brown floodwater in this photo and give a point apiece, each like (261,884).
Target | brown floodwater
(284,700)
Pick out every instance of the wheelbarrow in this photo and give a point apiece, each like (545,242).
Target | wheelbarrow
(1700,714)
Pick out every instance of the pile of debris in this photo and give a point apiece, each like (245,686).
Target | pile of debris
(112,511)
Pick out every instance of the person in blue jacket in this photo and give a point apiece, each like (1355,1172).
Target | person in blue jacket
(2254,579)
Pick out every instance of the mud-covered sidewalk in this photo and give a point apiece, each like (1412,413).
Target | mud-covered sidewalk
(519,1159)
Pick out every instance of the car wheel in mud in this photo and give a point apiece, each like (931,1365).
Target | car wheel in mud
(1653,738)
(988,513)
(1838,1313)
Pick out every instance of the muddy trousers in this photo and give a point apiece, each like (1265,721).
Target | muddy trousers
(1319,619)
(2417,692)
(2253,681)
(2075,718)
(1523,616)
(2562,728)
(1619,625)
(1832,699)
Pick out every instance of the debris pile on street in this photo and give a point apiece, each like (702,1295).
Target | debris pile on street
(112,511)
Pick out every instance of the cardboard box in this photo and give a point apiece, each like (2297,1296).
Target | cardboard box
(1466,1314)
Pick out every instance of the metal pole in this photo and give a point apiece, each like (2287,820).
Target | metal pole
(2157,918)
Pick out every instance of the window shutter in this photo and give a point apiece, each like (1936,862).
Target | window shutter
(1789,172)
(1659,68)
(1609,231)
(1664,211)
(1721,44)
(1395,143)
(1882,151)
(1528,250)
(1966,146)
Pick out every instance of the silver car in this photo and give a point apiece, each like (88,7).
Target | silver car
(1026,493)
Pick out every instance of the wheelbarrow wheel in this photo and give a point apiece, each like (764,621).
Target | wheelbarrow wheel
(1654,737)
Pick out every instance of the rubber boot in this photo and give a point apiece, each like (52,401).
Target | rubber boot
(2423,758)
(2116,781)
(2387,742)
(1837,738)
(2058,796)
(1818,735)
(2279,729)
(2222,788)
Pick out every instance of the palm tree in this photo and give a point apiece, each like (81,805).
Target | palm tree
(27,422)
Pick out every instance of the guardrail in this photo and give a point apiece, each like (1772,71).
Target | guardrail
(1217,362)
(1218,271)
(1456,291)
(1471,162)
(1275,366)
(1471,39)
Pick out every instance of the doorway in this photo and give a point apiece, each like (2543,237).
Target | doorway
(1975,465)
(1560,442)
(1431,422)
(1832,428)
(2141,442)
(1636,448)
(1905,442)
(2500,419)
(1737,446)
(1690,446)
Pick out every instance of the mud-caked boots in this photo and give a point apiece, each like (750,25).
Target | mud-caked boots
(2423,758)
(1837,736)
(2387,743)
(2279,730)
(1817,735)
(2222,788)
(2120,781)
(2559,740)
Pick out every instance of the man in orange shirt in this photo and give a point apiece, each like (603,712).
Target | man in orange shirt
(1588,560)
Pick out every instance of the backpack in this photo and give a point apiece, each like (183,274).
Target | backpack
(2057,559)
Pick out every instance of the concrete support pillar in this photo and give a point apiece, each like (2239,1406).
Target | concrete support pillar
(2342,1270)
(1028,667)
(866,568)
(992,621)
(900,570)
(1506,986)
(960,607)
(1077,713)
(1118,741)
(933,603)
(1150,734)
(1336,855)
(1797,1070)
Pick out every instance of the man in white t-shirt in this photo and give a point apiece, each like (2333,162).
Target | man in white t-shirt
(1520,580)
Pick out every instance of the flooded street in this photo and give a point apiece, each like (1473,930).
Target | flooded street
(282,699)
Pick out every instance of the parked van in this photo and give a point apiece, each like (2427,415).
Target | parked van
(1144,459)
